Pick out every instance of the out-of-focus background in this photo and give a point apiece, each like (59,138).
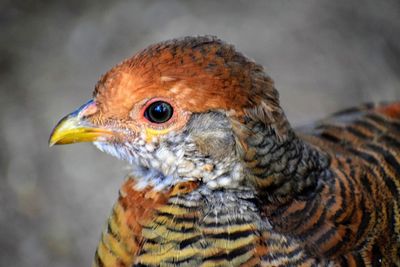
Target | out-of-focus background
(323,56)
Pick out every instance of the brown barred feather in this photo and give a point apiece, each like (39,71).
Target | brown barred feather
(364,150)
(352,218)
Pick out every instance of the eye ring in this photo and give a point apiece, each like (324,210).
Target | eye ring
(159,112)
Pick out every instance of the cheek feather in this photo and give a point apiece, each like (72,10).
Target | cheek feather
(123,152)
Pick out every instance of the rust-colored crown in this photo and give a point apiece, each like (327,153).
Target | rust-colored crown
(199,73)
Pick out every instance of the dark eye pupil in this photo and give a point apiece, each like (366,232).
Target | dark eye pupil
(159,112)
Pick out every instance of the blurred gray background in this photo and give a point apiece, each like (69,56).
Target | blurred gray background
(323,56)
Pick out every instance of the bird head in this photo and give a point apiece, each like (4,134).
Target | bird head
(179,110)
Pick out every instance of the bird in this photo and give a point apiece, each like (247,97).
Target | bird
(220,177)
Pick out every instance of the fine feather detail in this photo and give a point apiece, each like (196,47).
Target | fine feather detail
(229,182)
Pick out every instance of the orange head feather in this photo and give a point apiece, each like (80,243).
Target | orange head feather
(199,74)
(152,104)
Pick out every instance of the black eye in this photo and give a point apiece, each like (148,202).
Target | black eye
(159,112)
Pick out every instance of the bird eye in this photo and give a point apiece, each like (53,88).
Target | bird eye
(158,112)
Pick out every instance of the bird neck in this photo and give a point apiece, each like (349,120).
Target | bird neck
(283,167)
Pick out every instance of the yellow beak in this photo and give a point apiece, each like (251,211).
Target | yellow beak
(74,128)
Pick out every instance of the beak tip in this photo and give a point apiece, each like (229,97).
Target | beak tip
(52,140)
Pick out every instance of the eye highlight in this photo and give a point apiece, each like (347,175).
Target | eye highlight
(159,112)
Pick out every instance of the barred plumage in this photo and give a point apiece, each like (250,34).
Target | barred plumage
(221,179)
(352,218)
